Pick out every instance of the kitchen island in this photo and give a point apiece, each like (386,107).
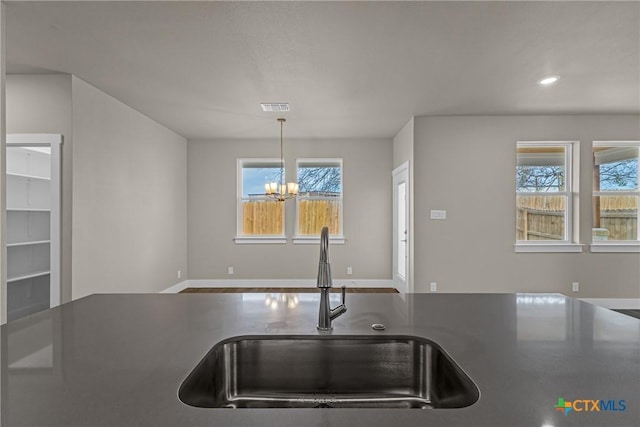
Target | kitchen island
(119,360)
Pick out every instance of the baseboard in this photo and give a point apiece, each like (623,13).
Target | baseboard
(275,283)
(614,303)
(176,288)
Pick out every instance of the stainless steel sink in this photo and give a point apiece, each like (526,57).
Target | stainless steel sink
(328,372)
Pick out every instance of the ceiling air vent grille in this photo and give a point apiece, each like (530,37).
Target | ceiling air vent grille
(275,106)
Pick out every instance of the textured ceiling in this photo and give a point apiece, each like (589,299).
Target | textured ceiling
(348,69)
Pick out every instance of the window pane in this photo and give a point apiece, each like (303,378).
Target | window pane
(254,177)
(259,215)
(540,169)
(262,217)
(319,180)
(320,197)
(615,168)
(540,217)
(315,214)
(615,218)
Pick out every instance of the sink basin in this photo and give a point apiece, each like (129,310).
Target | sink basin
(328,372)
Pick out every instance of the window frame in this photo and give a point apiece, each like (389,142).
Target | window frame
(241,238)
(616,245)
(570,242)
(333,239)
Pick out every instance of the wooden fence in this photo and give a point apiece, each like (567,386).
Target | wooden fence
(538,217)
(315,214)
(542,217)
(264,217)
(621,225)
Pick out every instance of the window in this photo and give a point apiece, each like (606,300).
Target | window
(319,201)
(545,197)
(616,195)
(260,220)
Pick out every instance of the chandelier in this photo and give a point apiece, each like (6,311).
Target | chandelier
(283,190)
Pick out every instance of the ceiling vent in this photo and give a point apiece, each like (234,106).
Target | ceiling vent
(275,107)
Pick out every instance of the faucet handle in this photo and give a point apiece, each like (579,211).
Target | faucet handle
(344,291)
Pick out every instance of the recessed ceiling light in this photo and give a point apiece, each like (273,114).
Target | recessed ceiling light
(275,106)
(548,80)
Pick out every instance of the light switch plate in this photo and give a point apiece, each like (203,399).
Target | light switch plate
(438,214)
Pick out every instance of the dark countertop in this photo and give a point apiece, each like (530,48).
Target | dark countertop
(118,360)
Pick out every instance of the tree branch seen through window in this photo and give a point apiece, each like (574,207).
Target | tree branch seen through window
(619,175)
(540,178)
(323,179)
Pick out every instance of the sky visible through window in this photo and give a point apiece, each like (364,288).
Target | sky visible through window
(254,179)
(311,179)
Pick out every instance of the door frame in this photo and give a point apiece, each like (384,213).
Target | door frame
(400,175)
(54,141)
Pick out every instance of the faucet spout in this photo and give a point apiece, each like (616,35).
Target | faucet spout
(327,314)
(324,268)
(324,244)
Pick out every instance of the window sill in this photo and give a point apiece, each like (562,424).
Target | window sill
(632,247)
(313,240)
(260,240)
(547,247)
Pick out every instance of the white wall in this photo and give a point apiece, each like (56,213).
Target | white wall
(42,104)
(466,165)
(403,144)
(130,177)
(129,198)
(123,185)
(212,212)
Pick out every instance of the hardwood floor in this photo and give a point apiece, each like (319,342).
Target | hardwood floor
(285,290)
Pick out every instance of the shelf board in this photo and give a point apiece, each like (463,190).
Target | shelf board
(21,175)
(35,242)
(27,276)
(28,210)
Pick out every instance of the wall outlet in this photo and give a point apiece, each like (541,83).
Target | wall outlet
(575,287)
(179,274)
(434,287)
(230,270)
(349,271)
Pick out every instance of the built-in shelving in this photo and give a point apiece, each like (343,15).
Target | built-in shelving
(33,222)
(20,175)
(37,242)
(28,276)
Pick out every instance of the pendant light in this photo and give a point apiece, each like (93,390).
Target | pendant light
(283,190)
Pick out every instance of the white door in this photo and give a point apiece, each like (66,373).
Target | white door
(401,230)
